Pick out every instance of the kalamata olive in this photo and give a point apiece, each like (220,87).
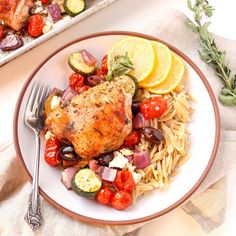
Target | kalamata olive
(68,153)
(104,159)
(65,142)
(139,121)
(135,108)
(94,80)
(152,135)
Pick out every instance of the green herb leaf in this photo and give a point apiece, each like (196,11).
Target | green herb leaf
(228,100)
(210,52)
(121,65)
(192,26)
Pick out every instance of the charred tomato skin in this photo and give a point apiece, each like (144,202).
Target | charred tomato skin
(153,108)
(121,200)
(104,196)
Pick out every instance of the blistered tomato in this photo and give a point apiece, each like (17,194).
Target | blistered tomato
(35,25)
(45,1)
(121,200)
(132,139)
(83,89)
(124,181)
(153,108)
(52,156)
(76,81)
(1,32)
(104,196)
(104,65)
(99,72)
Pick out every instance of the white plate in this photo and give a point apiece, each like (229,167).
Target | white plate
(204,138)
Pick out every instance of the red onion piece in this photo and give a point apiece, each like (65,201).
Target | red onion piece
(94,80)
(68,94)
(130,158)
(55,12)
(108,174)
(139,121)
(88,58)
(93,165)
(141,159)
(99,170)
(11,42)
(67,175)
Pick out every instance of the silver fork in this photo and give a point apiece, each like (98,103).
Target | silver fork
(34,120)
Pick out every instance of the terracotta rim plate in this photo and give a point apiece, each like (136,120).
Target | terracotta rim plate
(158,202)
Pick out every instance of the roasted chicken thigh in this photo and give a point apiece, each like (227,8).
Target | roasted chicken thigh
(14,13)
(96,121)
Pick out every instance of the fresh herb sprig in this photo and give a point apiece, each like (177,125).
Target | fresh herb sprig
(121,65)
(210,52)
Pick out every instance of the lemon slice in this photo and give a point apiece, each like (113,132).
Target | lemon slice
(140,52)
(173,79)
(161,68)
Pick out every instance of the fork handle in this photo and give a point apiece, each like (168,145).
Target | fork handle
(33,215)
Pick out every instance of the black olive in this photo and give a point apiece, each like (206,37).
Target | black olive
(94,80)
(65,142)
(135,108)
(104,159)
(68,153)
(152,135)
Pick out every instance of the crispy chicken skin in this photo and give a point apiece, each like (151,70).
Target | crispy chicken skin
(15,13)
(96,121)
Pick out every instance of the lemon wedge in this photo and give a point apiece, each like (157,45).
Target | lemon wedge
(140,52)
(173,79)
(162,65)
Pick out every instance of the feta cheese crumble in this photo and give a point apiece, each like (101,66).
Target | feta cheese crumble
(119,161)
(55,102)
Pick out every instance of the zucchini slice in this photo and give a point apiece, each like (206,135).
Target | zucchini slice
(128,82)
(86,183)
(74,7)
(77,64)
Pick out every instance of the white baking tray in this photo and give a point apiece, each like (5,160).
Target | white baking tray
(91,7)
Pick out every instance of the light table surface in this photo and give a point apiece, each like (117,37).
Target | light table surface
(122,15)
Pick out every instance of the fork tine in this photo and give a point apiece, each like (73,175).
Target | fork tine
(44,95)
(31,98)
(42,92)
(36,98)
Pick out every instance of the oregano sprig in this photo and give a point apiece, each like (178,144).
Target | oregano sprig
(210,53)
(121,65)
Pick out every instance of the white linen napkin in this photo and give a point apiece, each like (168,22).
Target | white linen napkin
(14,188)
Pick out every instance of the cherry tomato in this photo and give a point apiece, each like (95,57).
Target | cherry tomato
(124,181)
(76,81)
(99,72)
(132,139)
(104,196)
(104,65)
(1,32)
(45,1)
(51,155)
(121,200)
(153,108)
(35,25)
(83,89)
